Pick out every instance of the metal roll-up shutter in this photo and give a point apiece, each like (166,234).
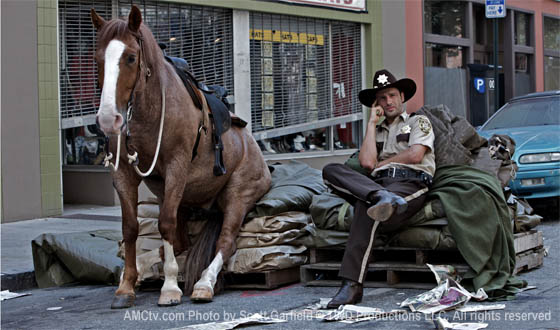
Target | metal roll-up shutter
(201,35)
(79,94)
(305,74)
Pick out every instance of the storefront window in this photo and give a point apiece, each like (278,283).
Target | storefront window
(551,73)
(551,33)
(443,56)
(305,78)
(83,145)
(523,84)
(551,53)
(445,18)
(522,28)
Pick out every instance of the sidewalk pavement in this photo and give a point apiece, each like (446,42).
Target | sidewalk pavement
(17,272)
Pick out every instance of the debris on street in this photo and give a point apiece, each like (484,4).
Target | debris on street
(353,314)
(447,295)
(254,319)
(6,294)
(443,324)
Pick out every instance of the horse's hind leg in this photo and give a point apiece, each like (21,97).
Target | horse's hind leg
(203,290)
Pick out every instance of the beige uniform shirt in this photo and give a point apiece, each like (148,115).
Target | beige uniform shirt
(404,132)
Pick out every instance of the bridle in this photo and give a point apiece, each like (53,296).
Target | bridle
(133,159)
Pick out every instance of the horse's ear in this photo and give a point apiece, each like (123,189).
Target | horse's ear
(97,21)
(134,19)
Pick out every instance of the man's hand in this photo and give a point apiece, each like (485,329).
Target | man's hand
(377,114)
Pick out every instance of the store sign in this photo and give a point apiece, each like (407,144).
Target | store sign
(495,8)
(286,36)
(355,5)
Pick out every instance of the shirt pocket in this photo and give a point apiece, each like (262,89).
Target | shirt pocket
(403,138)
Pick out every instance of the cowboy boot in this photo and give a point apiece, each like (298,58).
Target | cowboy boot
(386,203)
(350,292)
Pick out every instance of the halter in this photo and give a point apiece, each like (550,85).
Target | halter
(133,159)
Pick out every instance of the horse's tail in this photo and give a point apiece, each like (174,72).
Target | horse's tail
(201,254)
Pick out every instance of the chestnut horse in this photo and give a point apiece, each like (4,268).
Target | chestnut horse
(161,126)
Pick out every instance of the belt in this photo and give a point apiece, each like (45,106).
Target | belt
(404,173)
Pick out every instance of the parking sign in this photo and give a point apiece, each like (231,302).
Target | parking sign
(495,8)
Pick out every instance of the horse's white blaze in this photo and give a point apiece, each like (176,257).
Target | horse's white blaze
(170,269)
(210,274)
(113,54)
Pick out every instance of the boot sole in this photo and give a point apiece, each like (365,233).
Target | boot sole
(383,211)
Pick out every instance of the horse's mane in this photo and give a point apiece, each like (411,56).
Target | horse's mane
(118,29)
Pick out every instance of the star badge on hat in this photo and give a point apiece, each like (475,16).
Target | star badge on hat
(383,79)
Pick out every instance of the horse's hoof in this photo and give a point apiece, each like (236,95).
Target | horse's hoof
(201,295)
(123,301)
(169,298)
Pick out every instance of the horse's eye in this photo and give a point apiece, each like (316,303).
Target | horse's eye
(131,59)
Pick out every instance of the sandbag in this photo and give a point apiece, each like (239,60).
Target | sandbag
(266,258)
(148,210)
(89,257)
(252,240)
(277,223)
(432,209)
(292,189)
(329,211)
(424,237)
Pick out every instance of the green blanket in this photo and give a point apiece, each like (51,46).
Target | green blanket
(480,224)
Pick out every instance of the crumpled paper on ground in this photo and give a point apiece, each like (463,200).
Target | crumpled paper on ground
(443,324)
(6,294)
(354,314)
(246,321)
(447,295)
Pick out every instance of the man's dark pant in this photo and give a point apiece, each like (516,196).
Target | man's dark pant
(358,189)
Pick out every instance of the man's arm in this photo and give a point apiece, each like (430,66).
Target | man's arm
(368,151)
(412,155)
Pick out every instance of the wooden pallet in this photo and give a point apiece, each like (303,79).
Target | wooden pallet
(529,250)
(263,280)
(405,267)
(380,275)
(407,255)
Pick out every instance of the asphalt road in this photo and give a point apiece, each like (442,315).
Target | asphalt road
(88,307)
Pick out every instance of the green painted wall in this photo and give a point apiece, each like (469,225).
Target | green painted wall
(49,117)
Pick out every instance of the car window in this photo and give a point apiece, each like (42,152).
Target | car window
(529,112)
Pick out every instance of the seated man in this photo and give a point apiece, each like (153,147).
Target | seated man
(399,152)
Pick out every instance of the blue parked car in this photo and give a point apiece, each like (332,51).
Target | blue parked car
(533,121)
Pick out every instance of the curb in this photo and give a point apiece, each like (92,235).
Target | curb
(18,282)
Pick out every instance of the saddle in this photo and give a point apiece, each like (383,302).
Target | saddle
(221,117)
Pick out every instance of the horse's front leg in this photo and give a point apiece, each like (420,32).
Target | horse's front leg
(127,188)
(174,187)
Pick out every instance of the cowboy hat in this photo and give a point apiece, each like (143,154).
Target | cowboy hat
(384,79)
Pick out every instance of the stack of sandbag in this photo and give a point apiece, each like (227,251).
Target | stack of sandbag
(276,234)
(270,243)
(427,229)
